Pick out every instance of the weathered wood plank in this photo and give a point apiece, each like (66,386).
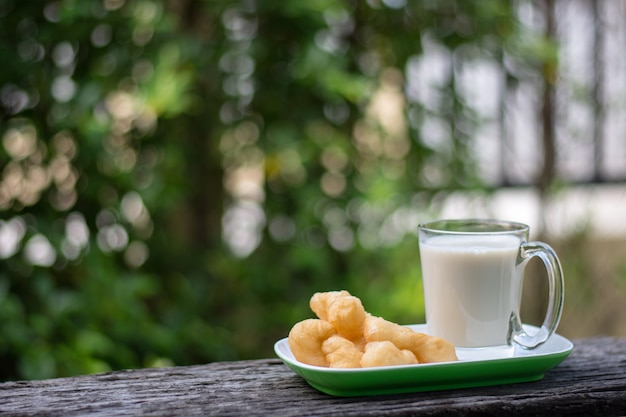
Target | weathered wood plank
(591,381)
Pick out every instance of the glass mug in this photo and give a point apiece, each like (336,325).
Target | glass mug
(473,272)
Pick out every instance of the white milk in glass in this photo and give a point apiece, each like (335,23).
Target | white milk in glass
(471,288)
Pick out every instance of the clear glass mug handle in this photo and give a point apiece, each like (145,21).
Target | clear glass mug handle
(529,250)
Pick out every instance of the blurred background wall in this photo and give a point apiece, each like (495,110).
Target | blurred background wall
(177,178)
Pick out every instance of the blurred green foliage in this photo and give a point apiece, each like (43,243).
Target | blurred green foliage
(179,177)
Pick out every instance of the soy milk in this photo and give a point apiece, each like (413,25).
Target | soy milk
(472,288)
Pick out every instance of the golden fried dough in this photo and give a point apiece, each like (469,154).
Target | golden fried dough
(321,301)
(386,353)
(433,349)
(425,348)
(346,336)
(306,338)
(347,315)
(341,353)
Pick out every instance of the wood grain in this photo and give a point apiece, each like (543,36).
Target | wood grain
(591,381)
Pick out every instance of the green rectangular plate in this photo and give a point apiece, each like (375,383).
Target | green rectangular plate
(524,366)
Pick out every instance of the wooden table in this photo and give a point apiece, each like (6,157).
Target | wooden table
(591,381)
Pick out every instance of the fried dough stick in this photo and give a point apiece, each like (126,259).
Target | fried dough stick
(425,348)
(386,354)
(341,353)
(347,315)
(320,302)
(306,338)
(344,311)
